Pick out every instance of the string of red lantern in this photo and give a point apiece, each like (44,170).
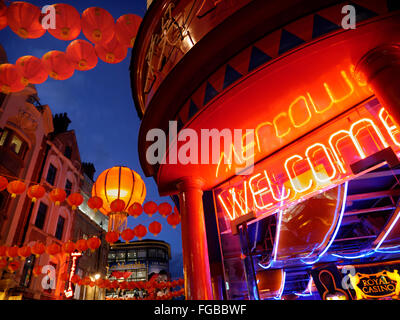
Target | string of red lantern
(111,42)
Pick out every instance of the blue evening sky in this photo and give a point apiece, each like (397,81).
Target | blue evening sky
(99,103)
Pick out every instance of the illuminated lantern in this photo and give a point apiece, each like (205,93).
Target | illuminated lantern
(68,22)
(57,196)
(127,235)
(75,200)
(98,25)
(86,281)
(24,252)
(3,183)
(112,51)
(68,247)
(82,245)
(94,243)
(115,284)
(173,219)
(155,228)
(12,252)
(118,183)
(126,29)
(3,263)
(3,15)
(11,79)
(37,271)
(117,205)
(135,210)
(150,208)
(25,20)
(36,192)
(112,236)
(165,209)
(140,231)
(32,70)
(13,266)
(38,248)
(3,251)
(53,249)
(57,65)
(95,203)
(75,279)
(82,55)
(16,188)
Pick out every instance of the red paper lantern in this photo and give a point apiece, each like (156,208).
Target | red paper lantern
(140,231)
(86,281)
(3,15)
(37,271)
(135,210)
(11,79)
(150,208)
(75,200)
(14,266)
(25,20)
(57,65)
(75,279)
(16,188)
(3,263)
(82,245)
(3,183)
(32,70)
(38,248)
(117,205)
(164,209)
(36,192)
(12,252)
(3,251)
(95,203)
(82,55)
(127,235)
(155,228)
(24,252)
(99,283)
(57,196)
(112,236)
(68,22)
(112,51)
(174,219)
(126,29)
(98,25)
(94,243)
(53,249)
(69,247)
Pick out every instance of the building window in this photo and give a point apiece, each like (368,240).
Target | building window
(68,152)
(132,254)
(152,253)
(16,144)
(161,254)
(60,227)
(3,137)
(51,174)
(41,215)
(121,256)
(142,253)
(68,187)
(13,142)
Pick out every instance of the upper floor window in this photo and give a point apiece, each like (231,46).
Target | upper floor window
(41,215)
(51,174)
(68,152)
(68,187)
(60,227)
(3,137)
(13,142)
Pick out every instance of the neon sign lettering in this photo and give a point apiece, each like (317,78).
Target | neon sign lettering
(70,292)
(292,176)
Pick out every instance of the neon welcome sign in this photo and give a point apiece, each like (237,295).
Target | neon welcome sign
(319,161)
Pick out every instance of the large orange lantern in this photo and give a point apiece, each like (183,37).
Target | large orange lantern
(126,29)
(68,22)
(82,55)
(32,70)
(57,65)
(25,20)
(112,51)
(98,25)
(11,78)
(16,188)
(36,192)
(118,183)
(3,15)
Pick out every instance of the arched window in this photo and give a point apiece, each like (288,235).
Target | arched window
(11,141)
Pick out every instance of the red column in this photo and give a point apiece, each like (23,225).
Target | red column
(380,67)
(196,265)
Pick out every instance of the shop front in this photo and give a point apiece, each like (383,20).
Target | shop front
(302,201)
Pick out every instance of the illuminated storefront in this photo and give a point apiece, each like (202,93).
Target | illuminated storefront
(314,191)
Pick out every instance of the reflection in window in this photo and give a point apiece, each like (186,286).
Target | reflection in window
(16,144)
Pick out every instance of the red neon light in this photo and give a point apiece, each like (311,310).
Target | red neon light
(315,163)
(70,292)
